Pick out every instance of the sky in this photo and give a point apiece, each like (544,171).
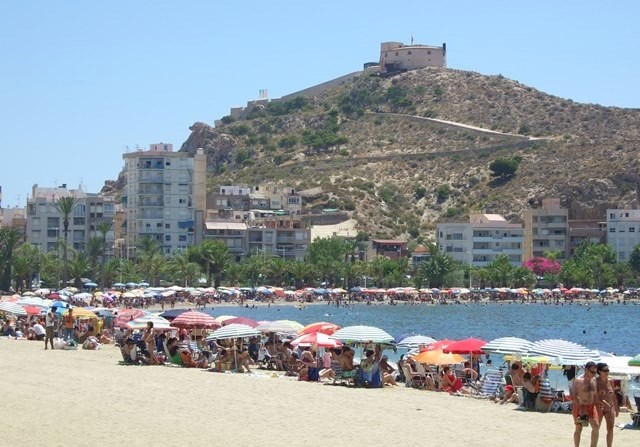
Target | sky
(82,82)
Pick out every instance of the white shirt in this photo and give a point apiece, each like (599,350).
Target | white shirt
(50,319)
(38,329)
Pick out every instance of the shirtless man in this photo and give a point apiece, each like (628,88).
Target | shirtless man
(585,404)
(608,400)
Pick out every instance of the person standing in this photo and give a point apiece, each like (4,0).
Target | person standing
(586,404)
(608,400)
(49,326)
(68,321)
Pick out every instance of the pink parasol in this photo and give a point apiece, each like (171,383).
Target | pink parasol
(194,319)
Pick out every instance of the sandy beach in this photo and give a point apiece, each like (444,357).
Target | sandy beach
(82,398)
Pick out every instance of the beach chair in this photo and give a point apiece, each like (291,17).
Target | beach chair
(414,380)
(425,377)
(490,383)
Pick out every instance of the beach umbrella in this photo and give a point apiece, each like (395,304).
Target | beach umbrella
(60,303)
(362,334)
(234,330)
(12,308)
(438,357)
(507,345)
(172,313)
(415,341)
(320,326)
(438,345)
(635,361)
(194,319)
(566,352)
(126,315)
(280,326)
(466,346)
(118,285)
(240,320)
(316,339)
(32,301)
(32,310)
(159,323)
(222,318)
(82,314)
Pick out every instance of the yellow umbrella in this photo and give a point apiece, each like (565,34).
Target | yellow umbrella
(83,314)
(438,357)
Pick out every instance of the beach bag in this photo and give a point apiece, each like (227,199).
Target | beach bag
(59,343)
(71,345)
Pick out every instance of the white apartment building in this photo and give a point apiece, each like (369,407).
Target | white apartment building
(45,224)
(165,198)
(623,228)
(481,240)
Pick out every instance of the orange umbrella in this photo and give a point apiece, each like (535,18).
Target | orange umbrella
(437,357)
(321,326)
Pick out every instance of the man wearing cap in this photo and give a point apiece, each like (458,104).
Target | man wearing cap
(585,404)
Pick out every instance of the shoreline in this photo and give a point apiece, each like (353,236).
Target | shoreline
(86,398)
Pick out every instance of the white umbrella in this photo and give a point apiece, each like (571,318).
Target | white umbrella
(234,330)
(362,334)
(280,326)
(415,341)
(508,345)
(12,308)
(566,352)
(159,323)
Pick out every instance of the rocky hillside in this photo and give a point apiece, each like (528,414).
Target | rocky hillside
(377,147)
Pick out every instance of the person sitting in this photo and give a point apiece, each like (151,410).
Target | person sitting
(515,375)
(529,391)
(470,374)
(369,370)
(387,371)
(509,396)
(190,360)
(105,339)
(245,360)
(450,383)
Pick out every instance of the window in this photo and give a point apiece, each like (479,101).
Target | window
(182,238)
(167,237)
(632,229)
(79,211)
(167,226)
(612,230)
(409,52)
(612,216)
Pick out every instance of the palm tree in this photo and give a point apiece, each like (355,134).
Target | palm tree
(94,248)
(300,272)
(277,269)
(65,206)
(78,268)
(147,249)
(27,261)
(216,256)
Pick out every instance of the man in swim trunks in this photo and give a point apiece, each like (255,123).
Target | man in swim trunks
(585,404)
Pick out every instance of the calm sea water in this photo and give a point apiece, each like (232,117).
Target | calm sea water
(614,328)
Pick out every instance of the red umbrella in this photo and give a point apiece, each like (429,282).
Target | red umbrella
(194,319)
(466,346)
(321,326)
(32,310)
(240,320)
(126,315)
(316,339)
(438,345)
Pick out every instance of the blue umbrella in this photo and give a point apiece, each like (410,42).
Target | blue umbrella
(91,285)
(119,284)
(59,304)
(171,314)
(355,289)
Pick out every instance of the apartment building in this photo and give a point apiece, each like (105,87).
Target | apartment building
(481,240)
(45,223)
(623,231)
(546,229)
(165,198)
(592,230)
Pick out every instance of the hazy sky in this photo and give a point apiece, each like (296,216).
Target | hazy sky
(80,81)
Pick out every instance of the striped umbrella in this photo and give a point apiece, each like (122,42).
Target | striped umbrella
(233,330)
(362,334)
(240,320)
(566,352)
(12,308)
(194,319)
(159,323)
(32,301)
(126,315)
(508,345)
(415,341)
(321,326)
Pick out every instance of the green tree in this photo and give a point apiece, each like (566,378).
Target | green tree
(504,168)
(78,268)
(501,271)
(103,228)
(65,206)
(634,259)
(9,241)
(216,257)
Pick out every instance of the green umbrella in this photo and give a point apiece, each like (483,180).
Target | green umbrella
(635,361)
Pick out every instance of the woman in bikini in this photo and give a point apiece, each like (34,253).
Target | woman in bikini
(608,401)
(150,341)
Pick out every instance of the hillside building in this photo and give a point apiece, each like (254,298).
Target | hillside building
(165,198)
(398,57)
(592,230)
(45,223)
(623,232)
(546,229)
(481,240)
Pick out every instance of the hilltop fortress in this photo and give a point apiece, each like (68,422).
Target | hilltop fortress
(395,57)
